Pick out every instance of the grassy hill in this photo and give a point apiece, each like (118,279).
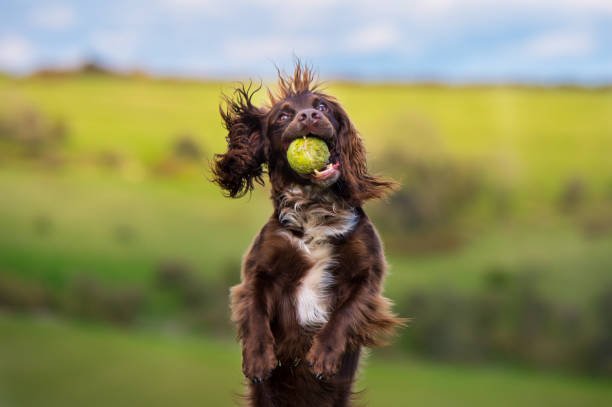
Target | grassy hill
(70,365)
(111,200)
(537,137)
(532,139)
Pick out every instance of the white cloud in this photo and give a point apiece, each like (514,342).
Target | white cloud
(286,14)
(432,7)
(560,44)
(54,17)
(375,37)
(270,47)
(598,6)
(452,13)
(116,46)
(192,4)
(187,7)
(214,35)
(522,6)
(232,5)
(16,53)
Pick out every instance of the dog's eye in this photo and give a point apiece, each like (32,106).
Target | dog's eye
(322,107)
(283,117)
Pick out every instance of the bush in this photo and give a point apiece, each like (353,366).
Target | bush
(572,196)
(599,348)
(89,298)
(27,132)
(596,222)
(435,197)
(22,295)
(205,301)
(185,147)
(509,320)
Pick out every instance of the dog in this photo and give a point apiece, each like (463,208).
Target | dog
(310,295)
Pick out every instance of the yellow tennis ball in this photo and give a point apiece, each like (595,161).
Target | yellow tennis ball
(307,154)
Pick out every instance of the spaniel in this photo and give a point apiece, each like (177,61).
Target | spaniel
(310,296)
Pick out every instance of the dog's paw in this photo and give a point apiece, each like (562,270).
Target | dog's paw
(258,363)
(324,360)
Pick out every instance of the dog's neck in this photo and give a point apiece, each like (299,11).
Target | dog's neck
(315,213)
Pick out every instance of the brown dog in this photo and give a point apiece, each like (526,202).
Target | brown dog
(310,295)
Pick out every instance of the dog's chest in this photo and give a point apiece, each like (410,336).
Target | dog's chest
(311,223)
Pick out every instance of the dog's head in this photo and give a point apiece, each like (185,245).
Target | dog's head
(261,135)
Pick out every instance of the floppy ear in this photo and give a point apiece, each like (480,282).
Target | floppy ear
(241,166)
(358,185)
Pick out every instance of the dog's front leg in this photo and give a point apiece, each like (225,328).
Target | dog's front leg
(364,318)
(330,343)
(251,312)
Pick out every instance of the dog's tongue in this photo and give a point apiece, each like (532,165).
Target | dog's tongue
(329,171)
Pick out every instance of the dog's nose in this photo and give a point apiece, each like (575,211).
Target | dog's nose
(309,116)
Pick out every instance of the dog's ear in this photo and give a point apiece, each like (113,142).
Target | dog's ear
(240,167)
(356,184)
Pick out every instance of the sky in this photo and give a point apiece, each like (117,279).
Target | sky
(542,41)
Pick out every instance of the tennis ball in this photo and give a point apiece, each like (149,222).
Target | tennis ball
(307,154)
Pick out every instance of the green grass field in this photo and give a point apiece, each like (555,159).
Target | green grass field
(50,363)
(190,221)
(531,140)
(536,137)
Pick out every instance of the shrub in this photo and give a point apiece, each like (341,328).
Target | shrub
(204,299)
(573,195)
(27,132)
(435,197)
(509,320)
(186,147)
(21,295)
(89,298)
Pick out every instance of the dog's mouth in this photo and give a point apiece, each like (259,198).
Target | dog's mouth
(328,174)
(331,171)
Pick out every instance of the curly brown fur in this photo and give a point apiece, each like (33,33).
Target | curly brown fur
(238,169)
(311,291)
(360,185)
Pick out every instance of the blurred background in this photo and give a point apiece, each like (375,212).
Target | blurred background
(116,252)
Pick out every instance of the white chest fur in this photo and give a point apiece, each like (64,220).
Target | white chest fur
(317,218)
